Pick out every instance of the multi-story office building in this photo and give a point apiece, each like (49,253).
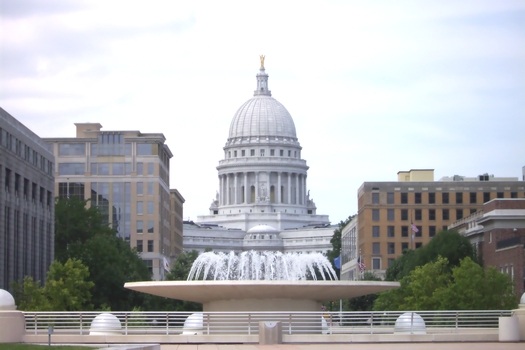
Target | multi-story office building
(26,203)
(177,220)
(126,175)
(393,216)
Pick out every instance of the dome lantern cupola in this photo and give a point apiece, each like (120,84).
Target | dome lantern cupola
(262,81)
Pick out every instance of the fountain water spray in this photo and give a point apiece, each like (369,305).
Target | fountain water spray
(265,265)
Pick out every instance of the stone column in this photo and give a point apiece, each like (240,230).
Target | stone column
(235,185)
(256,186)
(228,200)
(221,190)
(304,189)
(297,189)
(279,199)
(289,188)
(246,192)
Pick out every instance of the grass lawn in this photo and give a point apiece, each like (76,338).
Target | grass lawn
(40,347)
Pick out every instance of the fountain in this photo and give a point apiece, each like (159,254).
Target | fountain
(261,281)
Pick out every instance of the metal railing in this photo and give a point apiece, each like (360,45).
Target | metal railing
(172,323)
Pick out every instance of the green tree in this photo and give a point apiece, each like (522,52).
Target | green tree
(112,263)
(448,244)
(180,269)
(75,225)
(29,295)
(66,289)
(434,287)
(67,286)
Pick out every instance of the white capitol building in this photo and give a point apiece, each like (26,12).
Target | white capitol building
(263,202)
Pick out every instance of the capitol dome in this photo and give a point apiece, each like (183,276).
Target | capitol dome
(262,116)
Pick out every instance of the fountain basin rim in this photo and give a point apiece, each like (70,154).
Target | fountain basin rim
(212,290)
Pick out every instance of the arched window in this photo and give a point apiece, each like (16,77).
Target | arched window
(272,194)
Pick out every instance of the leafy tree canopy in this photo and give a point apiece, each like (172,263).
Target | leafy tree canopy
(66,289)
(448,244)
(74,225)
(434,286)
(365,302)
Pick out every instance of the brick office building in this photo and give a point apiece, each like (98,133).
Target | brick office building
(386,210)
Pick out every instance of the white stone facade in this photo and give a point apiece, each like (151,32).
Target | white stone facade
(262,181)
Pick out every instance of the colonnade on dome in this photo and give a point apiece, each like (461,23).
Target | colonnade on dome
(275,187)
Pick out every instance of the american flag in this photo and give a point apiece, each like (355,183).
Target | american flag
(362,266)
(414,228)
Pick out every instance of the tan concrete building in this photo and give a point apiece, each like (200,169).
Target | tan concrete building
(176,203)
(387,210)
(126,175)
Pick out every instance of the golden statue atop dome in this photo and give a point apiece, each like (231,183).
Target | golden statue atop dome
(262,61)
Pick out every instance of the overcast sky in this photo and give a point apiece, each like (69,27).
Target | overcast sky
(374,87)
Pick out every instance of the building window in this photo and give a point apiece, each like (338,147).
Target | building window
(139,245)
(472,211)
(391,231)
(150,245)
(376,248)
(151,207)
(459,197)
(144,149)
(375,231)
(417,214)
(151,167)
(431,231)
(444,198)
(418,244)
(71,149)
(391,248)
(375,198)
(417,197)
(446,215)
(261,152)
(419,232)
(514,195)
(281,153)
(118,169)
(149,265)
(252,152)
(272,152)
(150,188)
(376,263)
(390,215)
(500,195)
(432,214)
(375,214)
(390,198)
(71,168)
(140,227)
(404,214)
(140,208)
(459,214)
(243,153)
(140,188)
(151,226)
(404,246)
(473,197)
(289,153)
(235,154)
(486,197)
(390,261)
(404,198)
(404,231)
(431,198)
(140,169)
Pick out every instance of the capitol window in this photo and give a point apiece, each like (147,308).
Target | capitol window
(281,153)
(272,152)
(235,154)
(261,152)
(252,152)
(243,153)
(289,153)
